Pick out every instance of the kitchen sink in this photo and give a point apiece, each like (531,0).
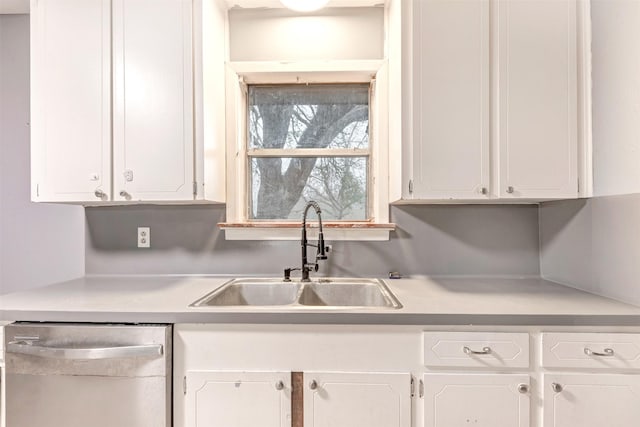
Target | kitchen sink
(319,293)
(373,294)
(251,292)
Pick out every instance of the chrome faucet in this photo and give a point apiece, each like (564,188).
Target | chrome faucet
(321,253)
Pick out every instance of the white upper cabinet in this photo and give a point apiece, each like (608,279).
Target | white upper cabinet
(451,94)
(153,147)
(494,93)
(113,101)
(537,89)
(70,100)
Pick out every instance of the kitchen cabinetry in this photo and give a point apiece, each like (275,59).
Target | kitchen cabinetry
(609,396)
(382,375)
(495,100)
(112,100)
(591,400)
(238,375)
(238,399)
(70,100)
(487,400)
(467,396)
(346,399)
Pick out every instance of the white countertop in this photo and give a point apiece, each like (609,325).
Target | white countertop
(425,300)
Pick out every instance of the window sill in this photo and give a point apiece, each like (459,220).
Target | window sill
(362,231)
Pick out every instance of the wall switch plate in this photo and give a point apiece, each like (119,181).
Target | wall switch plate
(144,237)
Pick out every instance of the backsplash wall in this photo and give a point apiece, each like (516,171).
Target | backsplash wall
(436,240)
(593,245)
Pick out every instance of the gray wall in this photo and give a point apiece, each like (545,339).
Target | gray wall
(438,240)
(39,244)
(593,245)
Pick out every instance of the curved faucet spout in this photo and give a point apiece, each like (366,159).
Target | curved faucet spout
(321,252)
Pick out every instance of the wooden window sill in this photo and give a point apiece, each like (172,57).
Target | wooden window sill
(291,230)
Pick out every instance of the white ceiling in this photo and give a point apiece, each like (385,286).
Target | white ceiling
(14,6)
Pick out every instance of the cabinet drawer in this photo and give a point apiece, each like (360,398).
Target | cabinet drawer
(476,349)
(594,350)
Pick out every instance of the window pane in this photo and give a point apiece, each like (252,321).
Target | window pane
(280,187)
(309,116)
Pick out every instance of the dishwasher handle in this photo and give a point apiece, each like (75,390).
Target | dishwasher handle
(79,353)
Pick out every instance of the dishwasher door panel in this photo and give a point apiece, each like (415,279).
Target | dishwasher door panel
(88,375)
(82,401)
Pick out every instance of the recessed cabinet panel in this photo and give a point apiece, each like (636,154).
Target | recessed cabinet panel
(71,100)
(345,399)
(591,400)
(153,100)
(497,400)
(591,350)
(451,98)
(476,349)
(238,399)
(538,99)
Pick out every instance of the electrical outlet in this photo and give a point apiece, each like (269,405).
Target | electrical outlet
(144,237)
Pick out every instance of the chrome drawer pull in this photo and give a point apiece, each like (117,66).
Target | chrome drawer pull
(485,350)
(607,352)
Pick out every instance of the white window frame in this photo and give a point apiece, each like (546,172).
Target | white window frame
(241,74)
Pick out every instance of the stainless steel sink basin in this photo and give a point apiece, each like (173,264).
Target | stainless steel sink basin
(345,294)
(251,292)
(320,293)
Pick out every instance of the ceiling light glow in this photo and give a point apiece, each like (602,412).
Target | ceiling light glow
(304,5)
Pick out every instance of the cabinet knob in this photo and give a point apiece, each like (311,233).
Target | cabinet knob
(523,388)
(510,190)
(556,387)
(279,385)
(99,194)
(484,191)
(125,195)
(313,385)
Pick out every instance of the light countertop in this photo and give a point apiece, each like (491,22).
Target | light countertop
(425,300)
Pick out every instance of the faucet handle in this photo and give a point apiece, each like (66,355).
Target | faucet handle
(287,274)
(322,249)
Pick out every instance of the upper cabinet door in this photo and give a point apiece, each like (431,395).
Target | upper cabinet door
(153,146)
(451,99)
(538,99)
(70,100)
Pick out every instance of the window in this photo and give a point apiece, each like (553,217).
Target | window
(308,142)
(305,131)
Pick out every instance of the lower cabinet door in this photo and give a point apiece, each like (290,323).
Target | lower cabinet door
(479,400)
(238,399)
(345,399)
(591,400)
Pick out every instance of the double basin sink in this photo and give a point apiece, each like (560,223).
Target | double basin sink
(319,293)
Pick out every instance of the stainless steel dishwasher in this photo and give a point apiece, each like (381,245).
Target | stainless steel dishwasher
(80,375)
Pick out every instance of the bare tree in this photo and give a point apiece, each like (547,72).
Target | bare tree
(303,126)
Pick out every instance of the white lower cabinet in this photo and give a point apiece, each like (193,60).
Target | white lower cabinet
(481,400)
(238,399)
(591,400)
(345,399)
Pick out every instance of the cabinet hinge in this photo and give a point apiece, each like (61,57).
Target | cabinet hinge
(413,387)
(421,389)
(195,188)
(410,186)
(184,385)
